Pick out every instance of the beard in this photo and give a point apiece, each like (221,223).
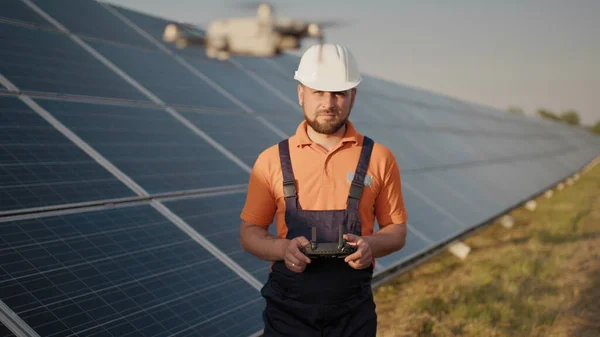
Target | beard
(327,127)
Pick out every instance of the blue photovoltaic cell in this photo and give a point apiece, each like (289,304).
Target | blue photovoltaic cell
(155,27)
(432,220)
(379,111)
(217,218)
(287,62)
(466,187)
(287,124)
(245,142)
(496,180)
(17,10)
(149,145)
(41,167)
(245,88)
(165,78)
(283,82)
(41,60)
(464,209)
(90,18)
(403,143)
(121,272)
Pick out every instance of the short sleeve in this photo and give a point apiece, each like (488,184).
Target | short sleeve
(260,205)
(389,205)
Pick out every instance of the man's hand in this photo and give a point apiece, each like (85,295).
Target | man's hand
(363,257)
(294,259)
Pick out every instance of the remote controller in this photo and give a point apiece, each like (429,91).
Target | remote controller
(338,249)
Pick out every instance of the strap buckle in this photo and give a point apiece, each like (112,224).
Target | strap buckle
(355,191)
(289,189)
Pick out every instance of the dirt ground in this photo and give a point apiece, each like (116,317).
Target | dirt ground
(540,278)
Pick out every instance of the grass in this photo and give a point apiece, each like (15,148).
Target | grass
(540,278)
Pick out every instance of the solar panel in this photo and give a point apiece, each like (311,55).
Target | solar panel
(170,81)
(246,143)
(91,19)
(16,10)
(119,272)
(286,122)
(124,267)
(268,73)
(154,27)
(217,218)
(416,243)
(48,61)
(40,167)
(286,63)
(149,145)
(465,210)
(403,144)
(243,86)
(383,111)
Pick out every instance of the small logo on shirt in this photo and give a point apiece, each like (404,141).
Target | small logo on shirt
(368,179)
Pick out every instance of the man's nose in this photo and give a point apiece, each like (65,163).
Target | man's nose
(328,100)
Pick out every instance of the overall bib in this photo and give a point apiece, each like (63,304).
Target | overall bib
(329,298)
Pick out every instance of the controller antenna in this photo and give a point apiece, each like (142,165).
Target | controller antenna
(340,238)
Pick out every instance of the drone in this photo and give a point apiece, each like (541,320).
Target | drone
(262,35)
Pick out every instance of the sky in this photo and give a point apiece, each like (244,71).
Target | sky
(530,54)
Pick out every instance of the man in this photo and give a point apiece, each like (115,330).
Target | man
(327,175)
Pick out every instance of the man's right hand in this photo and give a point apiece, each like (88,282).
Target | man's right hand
(294,259)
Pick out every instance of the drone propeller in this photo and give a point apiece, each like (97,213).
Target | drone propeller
(183,35)
(331,23)
(247,5)
(262,8)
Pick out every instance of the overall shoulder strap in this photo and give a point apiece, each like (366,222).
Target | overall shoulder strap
(357,185)
(289,182)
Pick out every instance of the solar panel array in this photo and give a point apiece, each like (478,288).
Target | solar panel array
(124,163)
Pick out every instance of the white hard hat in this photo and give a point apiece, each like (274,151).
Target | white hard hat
(328,67)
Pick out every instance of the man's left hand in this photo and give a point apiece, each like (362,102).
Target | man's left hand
(363,257)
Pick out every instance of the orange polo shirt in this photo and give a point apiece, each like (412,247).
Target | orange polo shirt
(323,182)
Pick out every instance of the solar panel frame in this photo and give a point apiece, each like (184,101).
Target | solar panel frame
(5,332)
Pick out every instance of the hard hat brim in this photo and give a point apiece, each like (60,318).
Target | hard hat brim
(330,87)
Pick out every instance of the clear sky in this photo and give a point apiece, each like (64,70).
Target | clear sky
(527,53)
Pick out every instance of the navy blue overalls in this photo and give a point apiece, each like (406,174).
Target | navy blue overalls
(329,298)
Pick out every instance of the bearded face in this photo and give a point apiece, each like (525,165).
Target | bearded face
(326,112)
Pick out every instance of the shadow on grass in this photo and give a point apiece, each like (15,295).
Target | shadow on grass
(546,237)
(502,243)
(510,307)
(583,316)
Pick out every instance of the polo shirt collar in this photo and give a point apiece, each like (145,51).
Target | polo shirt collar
(351,134)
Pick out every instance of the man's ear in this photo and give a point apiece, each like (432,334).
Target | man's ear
(353,92)
(300,94)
